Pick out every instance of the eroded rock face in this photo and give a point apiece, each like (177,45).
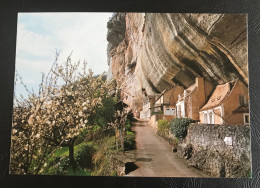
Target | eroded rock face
(154,51)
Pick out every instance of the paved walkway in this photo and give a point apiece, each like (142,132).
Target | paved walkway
(155,158)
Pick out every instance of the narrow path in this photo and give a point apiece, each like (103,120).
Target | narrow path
(154,157)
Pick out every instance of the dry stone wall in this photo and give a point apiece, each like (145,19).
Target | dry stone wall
(219,150)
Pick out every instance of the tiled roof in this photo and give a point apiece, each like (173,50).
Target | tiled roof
(220,93)
(241,109)
(188,91)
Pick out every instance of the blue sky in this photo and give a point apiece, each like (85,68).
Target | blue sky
(39,35)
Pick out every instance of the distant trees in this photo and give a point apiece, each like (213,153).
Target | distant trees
(56,115)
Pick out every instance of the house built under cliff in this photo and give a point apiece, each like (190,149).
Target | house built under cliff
(229,104)
(226,104)
(157,51)
(193,98)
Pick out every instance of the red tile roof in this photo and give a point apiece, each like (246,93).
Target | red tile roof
(219,95)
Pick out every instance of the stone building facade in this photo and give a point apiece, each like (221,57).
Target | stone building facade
(227,105)
(166,102)
(193,98)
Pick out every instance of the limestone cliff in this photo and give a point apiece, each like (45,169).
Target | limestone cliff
(151,52)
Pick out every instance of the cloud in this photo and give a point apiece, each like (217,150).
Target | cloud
(39,35)
(29,81)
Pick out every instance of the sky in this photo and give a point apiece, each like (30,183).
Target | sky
(40,35)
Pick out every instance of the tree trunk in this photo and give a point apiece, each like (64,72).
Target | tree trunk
(71,155)
(122,139)
(116,141)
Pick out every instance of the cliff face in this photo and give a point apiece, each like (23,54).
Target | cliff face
(150,52)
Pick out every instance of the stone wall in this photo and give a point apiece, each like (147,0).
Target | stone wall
(123,163)
(218,150)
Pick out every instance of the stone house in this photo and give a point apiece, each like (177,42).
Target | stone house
(227,105)
(148,103)
(193,98)
(166,102)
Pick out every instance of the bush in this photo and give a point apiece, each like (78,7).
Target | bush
(59,163)
(82,137)
(179,127)
(57,166)
(102,157)
(163,128)
(128,125)
(129,141)
(83,155)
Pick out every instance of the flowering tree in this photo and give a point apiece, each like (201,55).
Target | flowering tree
(55,116)
(120,117)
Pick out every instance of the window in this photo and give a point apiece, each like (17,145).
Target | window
(178,111)
(211,120)
(246,118)
(182,110)
(205,118)
(208,117)
(169,111)
(242,100)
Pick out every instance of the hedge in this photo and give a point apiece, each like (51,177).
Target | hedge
(179,127)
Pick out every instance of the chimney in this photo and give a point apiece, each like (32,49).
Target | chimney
(185,93)
(201,91)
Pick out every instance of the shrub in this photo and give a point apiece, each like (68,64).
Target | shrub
(179,127)
(57,166)
(174,142)
(83,155)
(129,141)
(128,125)
(163,128)
(59,162)
(102,157)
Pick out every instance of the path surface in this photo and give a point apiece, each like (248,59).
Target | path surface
(154,156)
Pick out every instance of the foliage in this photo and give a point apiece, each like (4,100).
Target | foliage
(179,127)
(55,116)
(78,172)
(159,112)
(129,141)
(59,162)
(102,157)
(105,113)
(83,155)
(82,136)
(163,128)
(128,126)
(61,151)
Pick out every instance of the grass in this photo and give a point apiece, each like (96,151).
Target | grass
(61,151)
(92,157)
(79,172)
(102,157)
